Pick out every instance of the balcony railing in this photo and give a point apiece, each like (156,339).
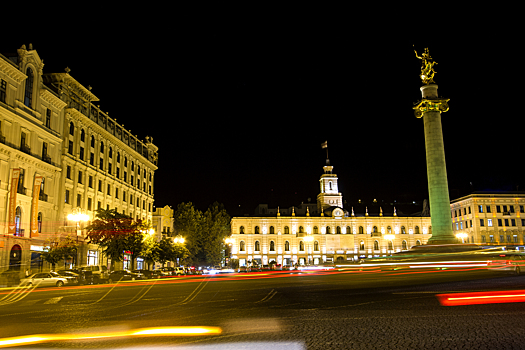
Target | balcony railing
(25,148)
(21,190)
(42,197)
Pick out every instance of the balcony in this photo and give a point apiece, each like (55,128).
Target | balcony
(42,197)
(46,158)
(21,190)
(506,213)
(25,148)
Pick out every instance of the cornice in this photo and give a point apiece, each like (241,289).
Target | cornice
(70,81)
(28,159)
(49,97)
(102,131)
(11,71)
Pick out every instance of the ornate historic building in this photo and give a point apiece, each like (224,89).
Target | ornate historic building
(490,218)
(324,233)
(31,124)
(52,134)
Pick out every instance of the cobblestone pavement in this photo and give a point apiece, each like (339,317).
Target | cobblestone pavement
(325,311)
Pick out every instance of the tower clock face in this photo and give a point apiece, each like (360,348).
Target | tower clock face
(338,212)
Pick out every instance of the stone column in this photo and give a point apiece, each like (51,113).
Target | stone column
(436,168)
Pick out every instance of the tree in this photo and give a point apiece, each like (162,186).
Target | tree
(204,233)
(150,250)
(215,229)
(58,250)
(116,233)
(188,223)
(169,251)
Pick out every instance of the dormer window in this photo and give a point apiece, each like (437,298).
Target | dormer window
(28,96)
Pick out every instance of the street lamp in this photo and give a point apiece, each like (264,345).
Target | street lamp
(390,238)
(77,215)
(308,239)
(461,236)
(178,239)
(229,242)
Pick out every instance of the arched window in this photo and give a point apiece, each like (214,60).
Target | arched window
(28,96)
(301,229)
(272,246)
(374,230)
(71,129)
(418,242)
(93,141)
(287,246)
(301,246)
(390,245)
(286,230)
(362,245)
(376,245)
(338,229)
(405,245)
(272,230)
(389,229)
(316,246)
(403,230)
(241,230)
(118,157)
(349,229)
(39,222)
(18,221)
(316,229)
(416,229)
(110,152)
(101,147)
(327,229)
(82,135)
(361,231)
(241,246)
(257,246)
(256,230)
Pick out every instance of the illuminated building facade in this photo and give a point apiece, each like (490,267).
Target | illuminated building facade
(61,154)
(103,164)
(31,123)
(490,218)
(314,234)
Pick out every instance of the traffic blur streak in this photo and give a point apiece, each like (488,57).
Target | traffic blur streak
(142,332)
(476,298)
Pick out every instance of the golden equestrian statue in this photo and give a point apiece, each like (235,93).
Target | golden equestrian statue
(427,67)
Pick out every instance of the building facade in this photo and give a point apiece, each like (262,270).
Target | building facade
(328,234)
(60,154)
(490,218)
(31,124)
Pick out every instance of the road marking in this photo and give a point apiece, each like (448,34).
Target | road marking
(53,300)
(268,296)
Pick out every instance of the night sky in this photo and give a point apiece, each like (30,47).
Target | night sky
(239,113)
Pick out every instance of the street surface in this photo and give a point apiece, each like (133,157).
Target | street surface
(346,309)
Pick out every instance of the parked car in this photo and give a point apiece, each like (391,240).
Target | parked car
(100,273)
(124,275)
(149,274)
(73,277)
(172,271)
(84,277)
(45,279)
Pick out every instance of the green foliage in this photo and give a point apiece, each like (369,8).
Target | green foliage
(169,251)
(59,250)
(115,233)
(204,233)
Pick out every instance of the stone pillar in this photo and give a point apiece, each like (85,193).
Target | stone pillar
(436,169)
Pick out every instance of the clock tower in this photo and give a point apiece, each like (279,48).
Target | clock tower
(329,196)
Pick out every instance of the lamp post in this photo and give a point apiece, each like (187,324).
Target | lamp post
(461,236)
(78,216)
(228,242)
(390,238)
(308,239)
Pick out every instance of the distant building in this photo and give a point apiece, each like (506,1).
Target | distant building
(490,218)
(325,232)
(162,222)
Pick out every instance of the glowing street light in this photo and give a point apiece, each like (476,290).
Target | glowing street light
(461,236)
(390,237)
(178,240)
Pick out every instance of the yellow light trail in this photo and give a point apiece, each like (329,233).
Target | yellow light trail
(161,331)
